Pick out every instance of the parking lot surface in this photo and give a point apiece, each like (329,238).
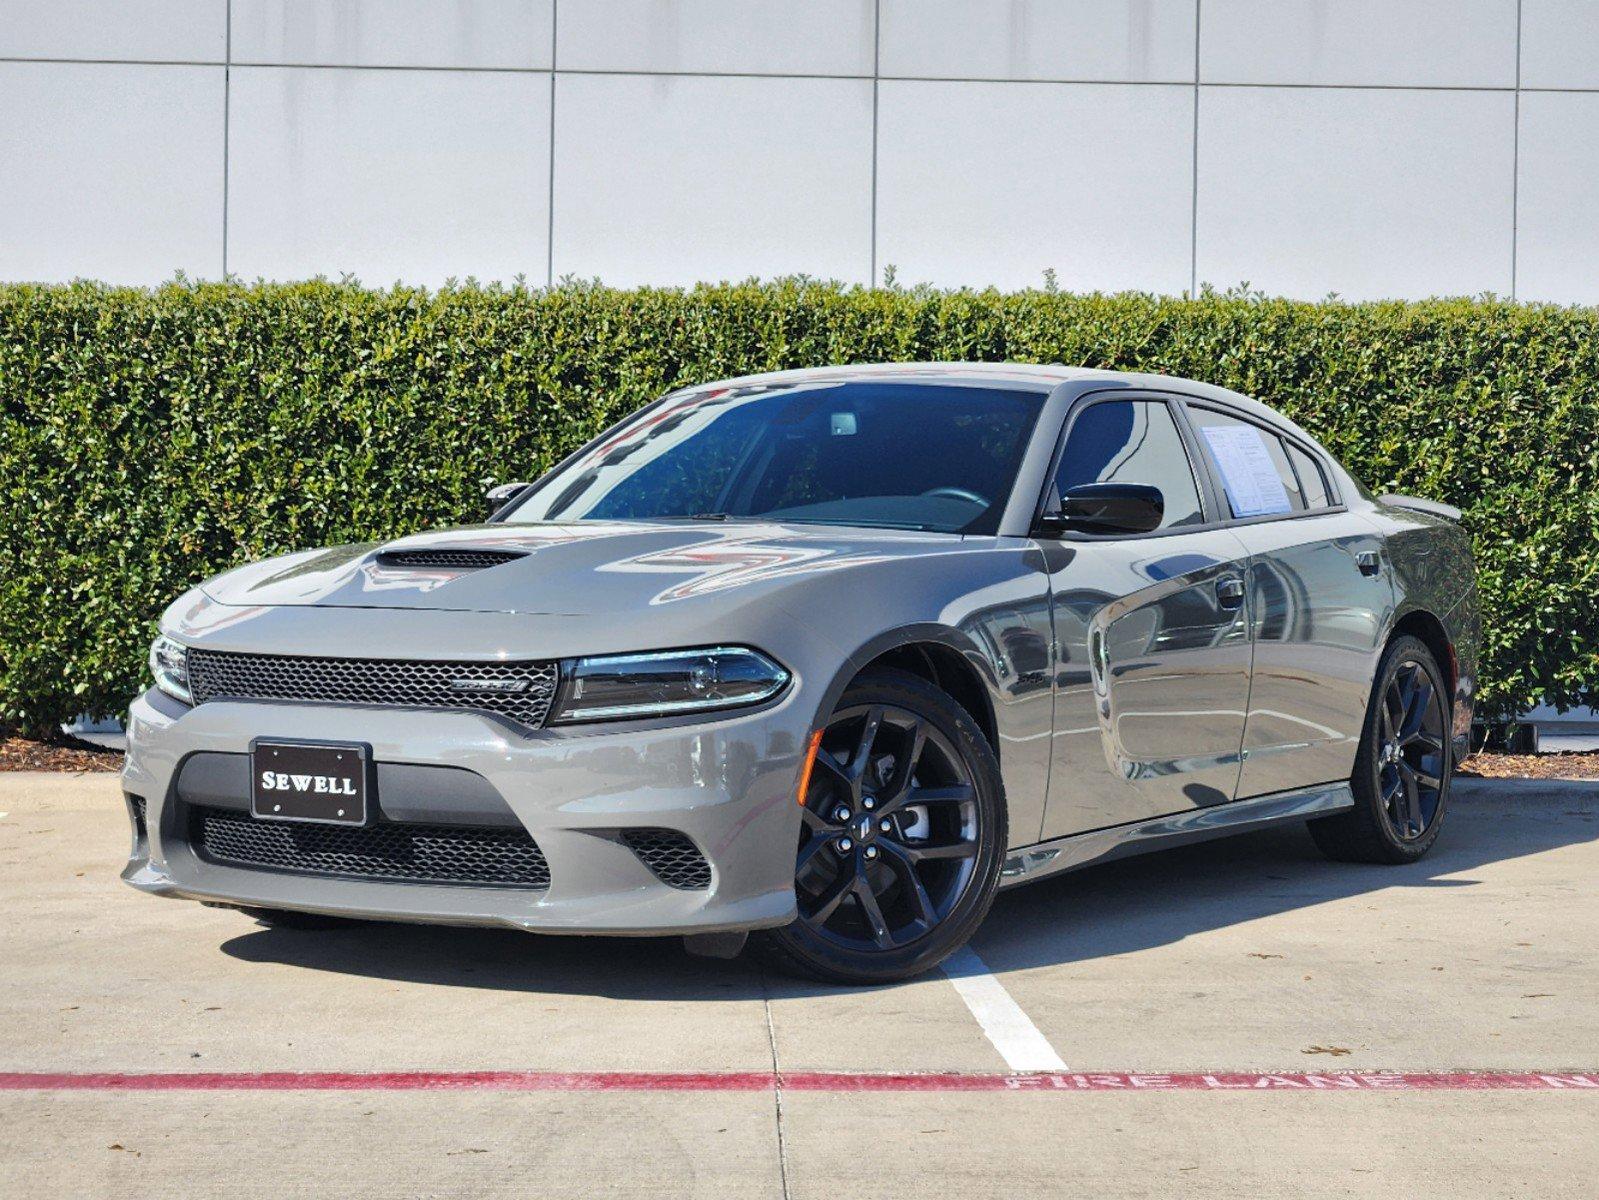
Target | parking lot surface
(1239,1017)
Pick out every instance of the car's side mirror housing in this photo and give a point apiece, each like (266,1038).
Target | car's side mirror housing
(1105,509)
(499,497)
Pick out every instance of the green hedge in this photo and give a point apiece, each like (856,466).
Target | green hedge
(153,438)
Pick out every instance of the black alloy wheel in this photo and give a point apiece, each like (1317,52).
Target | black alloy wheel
(890,837)
(901,836)
(1403,766)
(1411,757)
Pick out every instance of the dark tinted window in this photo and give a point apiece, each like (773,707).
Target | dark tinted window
(1132,441)
(896,455)
(1311,480)
(1251,464)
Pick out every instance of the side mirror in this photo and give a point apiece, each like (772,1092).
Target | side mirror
(1106,509)
(499,497)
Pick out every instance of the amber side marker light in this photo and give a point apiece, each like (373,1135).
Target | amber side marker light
(806,768)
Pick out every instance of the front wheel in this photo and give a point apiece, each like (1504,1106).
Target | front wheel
(1403,766)
(902,837)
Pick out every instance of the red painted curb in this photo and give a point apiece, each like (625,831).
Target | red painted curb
(799,1081)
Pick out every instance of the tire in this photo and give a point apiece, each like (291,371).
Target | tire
(901,844)
(1397,814)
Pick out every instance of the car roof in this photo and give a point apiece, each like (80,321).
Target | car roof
(1030,376)
(1040,377)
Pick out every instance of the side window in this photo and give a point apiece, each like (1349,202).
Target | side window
(1132,441)
(1311,478)
(1251,464)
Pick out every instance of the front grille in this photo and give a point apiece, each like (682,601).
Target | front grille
(464,559)
(675,860)
(471,856)
(390,683)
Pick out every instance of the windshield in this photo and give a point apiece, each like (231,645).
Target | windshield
(893,455)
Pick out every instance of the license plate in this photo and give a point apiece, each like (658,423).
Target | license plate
(303,781)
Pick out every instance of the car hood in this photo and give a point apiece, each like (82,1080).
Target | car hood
(587,568)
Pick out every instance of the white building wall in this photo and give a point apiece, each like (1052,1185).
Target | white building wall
(1364,147)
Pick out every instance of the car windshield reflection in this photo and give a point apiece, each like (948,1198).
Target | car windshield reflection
(922,456)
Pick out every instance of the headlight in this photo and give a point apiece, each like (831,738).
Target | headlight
(660,685)
(169,664)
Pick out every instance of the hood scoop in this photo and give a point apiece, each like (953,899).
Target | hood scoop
(448,557)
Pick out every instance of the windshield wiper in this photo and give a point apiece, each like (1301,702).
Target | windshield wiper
(708,516)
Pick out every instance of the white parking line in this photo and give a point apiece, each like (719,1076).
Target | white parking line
(1012,1031)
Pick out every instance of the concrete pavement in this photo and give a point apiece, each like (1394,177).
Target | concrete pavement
(1246,955)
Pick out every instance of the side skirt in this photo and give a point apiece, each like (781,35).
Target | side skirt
(1161,833)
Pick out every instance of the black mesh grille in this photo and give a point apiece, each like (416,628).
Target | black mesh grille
(467,559)
(391,683)
(676,861)
(473,856)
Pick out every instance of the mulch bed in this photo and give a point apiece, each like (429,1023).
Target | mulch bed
(1564,764)
(69,754)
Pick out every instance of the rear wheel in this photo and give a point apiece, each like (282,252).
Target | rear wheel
(1403,766)
(902,836)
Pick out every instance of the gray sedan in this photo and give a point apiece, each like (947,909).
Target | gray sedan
(829,656)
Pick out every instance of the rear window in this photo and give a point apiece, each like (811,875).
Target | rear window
(1312,481)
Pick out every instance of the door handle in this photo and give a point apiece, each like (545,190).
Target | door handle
(1230,592)
(1368,562)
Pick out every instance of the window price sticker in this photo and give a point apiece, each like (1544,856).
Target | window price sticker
(1254,489)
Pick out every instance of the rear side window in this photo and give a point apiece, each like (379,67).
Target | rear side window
(1312,482)
(1251,464)
(1132,441)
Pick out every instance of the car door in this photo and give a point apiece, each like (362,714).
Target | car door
(1151,631)
(1319,595)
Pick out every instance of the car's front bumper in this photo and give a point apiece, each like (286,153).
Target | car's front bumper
(727,784)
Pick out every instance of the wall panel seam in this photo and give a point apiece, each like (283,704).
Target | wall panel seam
(877,52)
(984,79)
(1507,89)
(227,121)
(1193,210)
(549,226)
(1515,165)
